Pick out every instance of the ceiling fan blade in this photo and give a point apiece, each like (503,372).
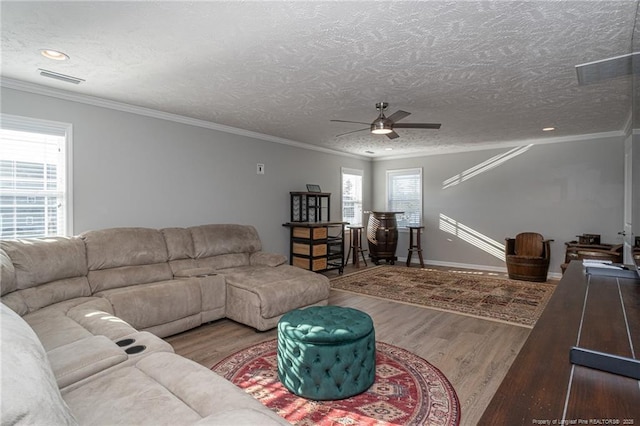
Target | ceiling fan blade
(393,135)
(345,121)
(398,115)
(353,131)
(417,126)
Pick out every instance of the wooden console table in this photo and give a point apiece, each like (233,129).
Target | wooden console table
(543,387)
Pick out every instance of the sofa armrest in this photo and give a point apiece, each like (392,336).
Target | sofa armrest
(78,360)
(267,259)
(194,272)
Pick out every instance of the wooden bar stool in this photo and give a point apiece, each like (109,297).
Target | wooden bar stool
(417,246)
(356,246)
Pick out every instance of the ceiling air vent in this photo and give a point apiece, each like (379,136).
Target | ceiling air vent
(61,77)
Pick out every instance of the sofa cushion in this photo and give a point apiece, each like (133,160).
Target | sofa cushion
(178,266)
(99,321)
(121,257)
(30,394)
(148,305)
(213,240)
(40,261)
(162,389)
(240,416)
(276,290)
(83,358)
(47,270)
(54,328)
(124,276)
(267,259)
(54,292)
(111,248)
(179,243)
(16,302)
(7,274)
(224,261)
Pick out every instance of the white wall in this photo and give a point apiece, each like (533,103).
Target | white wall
(559,190)
(133,170)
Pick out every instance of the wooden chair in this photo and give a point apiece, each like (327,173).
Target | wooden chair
(527,257)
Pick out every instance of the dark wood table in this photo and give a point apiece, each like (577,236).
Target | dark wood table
(543,387)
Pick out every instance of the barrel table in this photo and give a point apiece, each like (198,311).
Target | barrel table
(382,236)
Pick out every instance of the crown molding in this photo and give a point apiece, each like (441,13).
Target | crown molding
(511,144)
(37,89)
(24,86)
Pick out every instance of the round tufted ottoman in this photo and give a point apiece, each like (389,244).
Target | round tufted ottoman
(326,352)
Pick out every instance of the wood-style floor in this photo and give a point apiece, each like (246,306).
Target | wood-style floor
(474,354)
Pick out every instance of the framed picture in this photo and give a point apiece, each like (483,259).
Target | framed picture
(313,187)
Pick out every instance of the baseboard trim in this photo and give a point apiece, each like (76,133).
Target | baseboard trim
(467,266)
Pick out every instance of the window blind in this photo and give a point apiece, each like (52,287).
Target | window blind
(33,179)
(352,196)
(404,194)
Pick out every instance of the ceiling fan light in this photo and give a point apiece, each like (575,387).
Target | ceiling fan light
(381,126)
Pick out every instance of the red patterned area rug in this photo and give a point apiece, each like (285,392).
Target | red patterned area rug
(463,292)
(407,391)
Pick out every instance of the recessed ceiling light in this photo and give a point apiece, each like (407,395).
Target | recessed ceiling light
(388,149)
(548,129)
(56,55)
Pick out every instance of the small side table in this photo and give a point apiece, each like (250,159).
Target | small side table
(356,246)
(415,245)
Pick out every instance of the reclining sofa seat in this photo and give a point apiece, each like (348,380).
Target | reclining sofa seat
(260,287)
(45,281)
(156,389)
(130,268)
(60,360)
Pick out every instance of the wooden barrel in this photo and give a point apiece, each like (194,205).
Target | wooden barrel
(382,236)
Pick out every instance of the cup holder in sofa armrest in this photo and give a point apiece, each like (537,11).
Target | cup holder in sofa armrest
(195,272)
(125,342)
(135,349)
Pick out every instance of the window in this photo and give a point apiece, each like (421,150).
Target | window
(404,194)
(35,178)
(352,196)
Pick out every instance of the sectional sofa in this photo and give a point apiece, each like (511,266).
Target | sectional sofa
(83,317)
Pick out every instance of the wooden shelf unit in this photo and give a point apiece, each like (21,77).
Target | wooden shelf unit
(317,246)
(310,206)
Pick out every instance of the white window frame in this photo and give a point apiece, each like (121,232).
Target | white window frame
(359,197)
(404,219)
(33,125)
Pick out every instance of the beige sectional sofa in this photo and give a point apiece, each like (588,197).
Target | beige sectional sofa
(90,311)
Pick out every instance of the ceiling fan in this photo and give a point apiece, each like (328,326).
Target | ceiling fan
(385,125)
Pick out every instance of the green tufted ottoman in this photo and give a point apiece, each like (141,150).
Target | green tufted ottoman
(326,352)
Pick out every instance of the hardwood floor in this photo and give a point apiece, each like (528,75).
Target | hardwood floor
(474,354)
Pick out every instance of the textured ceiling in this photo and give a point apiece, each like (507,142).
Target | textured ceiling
(490,72)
